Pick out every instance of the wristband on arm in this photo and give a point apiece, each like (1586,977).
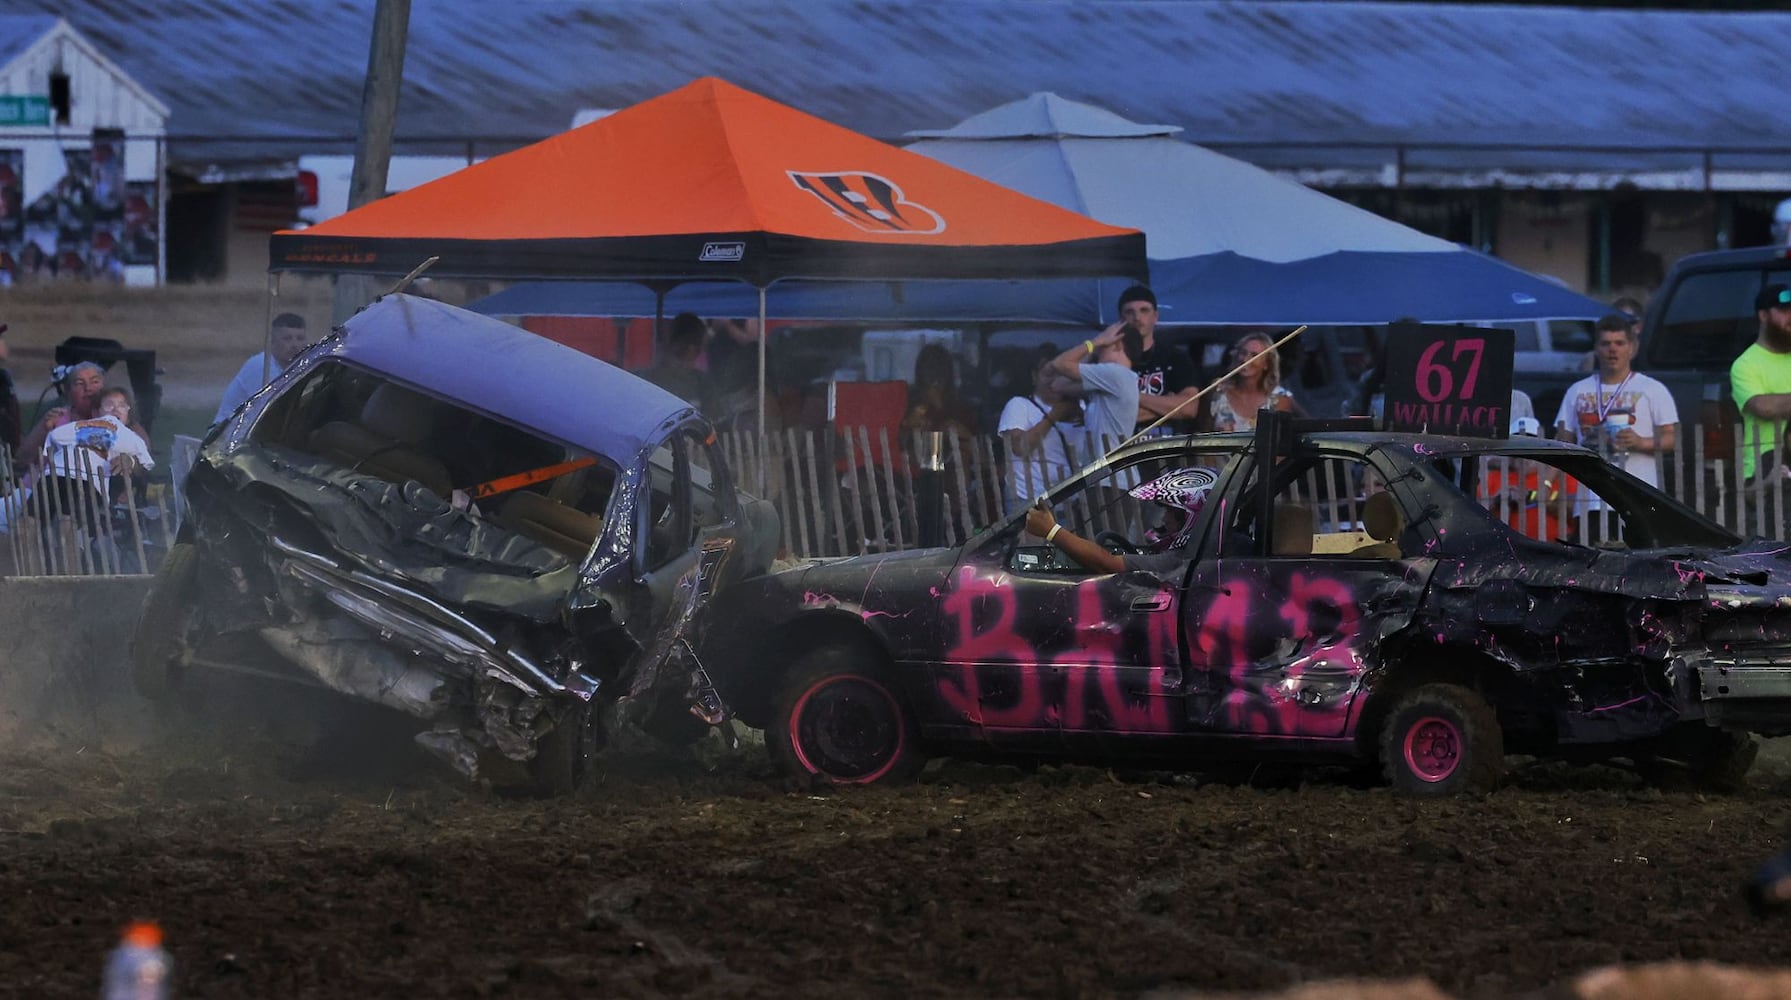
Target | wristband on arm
(1055,528)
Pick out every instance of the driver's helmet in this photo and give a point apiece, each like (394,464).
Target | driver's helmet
(1181,490)
(1781,222)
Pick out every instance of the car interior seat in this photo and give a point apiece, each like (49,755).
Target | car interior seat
(385,441)
(1383,520)
(564,529)
(1294,525)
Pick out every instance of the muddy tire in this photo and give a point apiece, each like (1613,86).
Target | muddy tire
(161,629)
(1724,762)
(1695,757)
(838,719)
(565,757)
(1442,739)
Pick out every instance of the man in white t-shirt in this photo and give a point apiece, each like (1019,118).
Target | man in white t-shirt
(1037,431)
(1617,411)
(286,342)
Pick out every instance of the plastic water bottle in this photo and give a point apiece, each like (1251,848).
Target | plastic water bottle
(138,969)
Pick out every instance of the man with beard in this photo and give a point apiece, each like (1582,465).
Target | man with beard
(1760,380)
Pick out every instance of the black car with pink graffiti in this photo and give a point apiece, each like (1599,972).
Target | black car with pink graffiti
(1423,604)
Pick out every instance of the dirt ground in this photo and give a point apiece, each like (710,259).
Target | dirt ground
(285,864)
(354,866)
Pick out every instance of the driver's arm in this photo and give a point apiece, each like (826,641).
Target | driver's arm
(1041,522)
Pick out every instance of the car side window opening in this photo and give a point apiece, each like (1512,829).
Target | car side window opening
(1580,499)
(369,424)
(1101,509)
(1540,500)
(671,527)
(1323,507)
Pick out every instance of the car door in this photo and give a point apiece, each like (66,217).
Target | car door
(1039,646)
(1293,591)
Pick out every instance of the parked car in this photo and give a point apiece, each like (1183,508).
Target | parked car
(441,513)
(1422,604)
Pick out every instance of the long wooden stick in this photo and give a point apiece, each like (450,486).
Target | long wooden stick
(1221,380)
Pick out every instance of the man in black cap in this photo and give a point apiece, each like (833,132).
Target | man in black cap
(1165,373)
(1760,380)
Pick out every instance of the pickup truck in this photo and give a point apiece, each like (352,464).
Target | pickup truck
(1695,326)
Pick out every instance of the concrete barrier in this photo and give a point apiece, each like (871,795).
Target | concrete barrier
(65,661)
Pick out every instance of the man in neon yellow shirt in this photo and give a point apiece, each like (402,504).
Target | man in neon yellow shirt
(1760,380)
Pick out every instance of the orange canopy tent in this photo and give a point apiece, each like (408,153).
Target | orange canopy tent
(713,182)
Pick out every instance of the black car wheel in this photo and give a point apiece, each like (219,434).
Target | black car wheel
(838,720)
(161,630)
(1442,739)
(1698,756)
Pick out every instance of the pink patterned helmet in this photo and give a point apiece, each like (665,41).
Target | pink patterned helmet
(1183,490)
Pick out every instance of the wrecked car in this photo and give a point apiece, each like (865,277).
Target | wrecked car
(1415,605)
(446,515)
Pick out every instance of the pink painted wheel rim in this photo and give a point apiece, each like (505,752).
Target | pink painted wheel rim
(1432,748)
(848,729)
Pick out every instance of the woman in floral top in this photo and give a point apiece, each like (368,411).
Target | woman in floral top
(1256,387)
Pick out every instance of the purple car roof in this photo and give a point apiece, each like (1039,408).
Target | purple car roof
(510,373)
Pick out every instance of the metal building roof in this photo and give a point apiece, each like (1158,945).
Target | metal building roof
(1245,76)
(19,32)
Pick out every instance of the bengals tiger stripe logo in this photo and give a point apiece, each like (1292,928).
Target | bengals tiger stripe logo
(872,203)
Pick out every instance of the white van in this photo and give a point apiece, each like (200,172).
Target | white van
(324,180)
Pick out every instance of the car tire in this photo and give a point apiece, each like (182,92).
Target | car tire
(1442,739)
(161,629)
(837,719)
(1721,761)
(1695,757)
(565,756)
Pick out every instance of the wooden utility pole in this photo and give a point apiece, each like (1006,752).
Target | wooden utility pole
(373,148)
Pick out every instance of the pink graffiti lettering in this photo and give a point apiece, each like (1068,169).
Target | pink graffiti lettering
(1259,701)
(999,641)
(1097,662)
(1094,668)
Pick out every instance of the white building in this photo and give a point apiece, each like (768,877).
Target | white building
(82,194)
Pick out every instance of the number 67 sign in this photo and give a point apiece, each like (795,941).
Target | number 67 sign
(1449,379)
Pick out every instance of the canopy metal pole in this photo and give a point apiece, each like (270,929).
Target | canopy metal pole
(658,327)
(267,328)
(762,338)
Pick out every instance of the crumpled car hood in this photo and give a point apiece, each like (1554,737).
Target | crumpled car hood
(449,554)
(1756,563)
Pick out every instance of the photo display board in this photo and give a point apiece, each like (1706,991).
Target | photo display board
(1449,379)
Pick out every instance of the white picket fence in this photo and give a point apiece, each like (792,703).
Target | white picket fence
(838,495)
(845,492)
(73,520)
